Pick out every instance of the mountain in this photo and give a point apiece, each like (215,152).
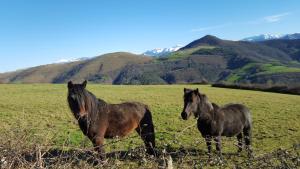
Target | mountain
(291,36)
(265,37)
(207,40)
(208,59)
(262,37)
(158,52)
(102,69)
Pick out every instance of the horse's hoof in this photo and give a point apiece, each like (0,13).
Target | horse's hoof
(251,155)
(151,152)
(103,162)
(210,161)
(220,159)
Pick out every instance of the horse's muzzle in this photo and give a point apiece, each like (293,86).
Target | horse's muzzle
(184,115)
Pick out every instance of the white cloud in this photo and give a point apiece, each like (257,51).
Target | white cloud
(265,19)
(269,19)
(275,18)
(71,60)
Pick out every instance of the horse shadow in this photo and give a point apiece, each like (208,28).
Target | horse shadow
(54,156)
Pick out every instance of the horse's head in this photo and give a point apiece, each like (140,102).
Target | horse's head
(76,98)
(191,103)
(195,103)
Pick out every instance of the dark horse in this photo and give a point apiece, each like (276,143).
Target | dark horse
(98,119)
(214,121)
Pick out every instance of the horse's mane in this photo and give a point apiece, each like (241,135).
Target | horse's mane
(215,106)
(93,104)
(101,102)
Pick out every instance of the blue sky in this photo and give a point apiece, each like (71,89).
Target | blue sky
(35,32)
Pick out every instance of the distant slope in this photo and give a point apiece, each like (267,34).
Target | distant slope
(290,47)
(99,69)
(208,59)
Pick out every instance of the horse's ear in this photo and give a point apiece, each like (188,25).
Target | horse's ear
(196,91)
(84,84)
(185,90)
(203,96)
(70,84)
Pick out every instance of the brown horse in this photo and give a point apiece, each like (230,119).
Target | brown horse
(214,121)
(98,119)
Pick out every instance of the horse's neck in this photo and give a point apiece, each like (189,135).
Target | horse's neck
(101,102)
(102,105)
(93,106)
(215,106)
(207,111)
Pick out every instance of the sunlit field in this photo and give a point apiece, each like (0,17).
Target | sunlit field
(35,120)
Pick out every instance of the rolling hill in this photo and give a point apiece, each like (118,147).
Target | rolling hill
(102,69)
(208,59)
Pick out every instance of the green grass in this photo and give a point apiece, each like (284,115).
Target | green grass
(239,73)
(261,69)
(270,69)
(41,112)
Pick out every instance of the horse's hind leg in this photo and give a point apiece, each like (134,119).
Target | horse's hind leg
(247,137)
(146,131)
(240,142)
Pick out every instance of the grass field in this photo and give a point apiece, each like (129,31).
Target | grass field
(36,117)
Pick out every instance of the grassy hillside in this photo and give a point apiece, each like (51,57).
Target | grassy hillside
(103,69)
(249,74)
(35,116)
(291,47)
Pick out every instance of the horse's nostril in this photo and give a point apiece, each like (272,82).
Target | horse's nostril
(184,116)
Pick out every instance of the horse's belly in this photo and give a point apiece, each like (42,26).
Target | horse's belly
(232,129)
(230,133)
(120,130)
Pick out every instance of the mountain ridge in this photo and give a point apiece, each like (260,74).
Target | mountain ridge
(159,52)
(205,60)
(265,37)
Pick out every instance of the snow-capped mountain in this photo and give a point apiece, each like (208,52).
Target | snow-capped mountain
(292,36)
(71,60)
(158,52)
(264,37)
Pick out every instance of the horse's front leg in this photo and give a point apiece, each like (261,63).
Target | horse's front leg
(98,146)
(208,144)
(218,145)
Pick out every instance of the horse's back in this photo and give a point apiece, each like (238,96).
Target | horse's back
(236,109)
(236,116)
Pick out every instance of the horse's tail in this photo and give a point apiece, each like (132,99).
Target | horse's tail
(248,119)
(248,129)
(146,130)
